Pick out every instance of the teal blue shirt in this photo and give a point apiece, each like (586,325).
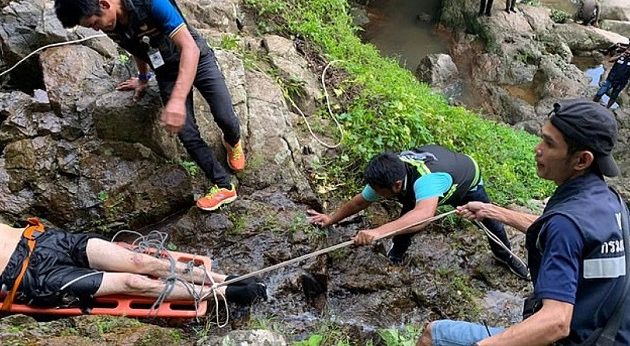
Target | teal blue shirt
(427,186)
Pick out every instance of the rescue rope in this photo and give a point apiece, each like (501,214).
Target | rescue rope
(330,112)
(329,249)
(156,242)
(49,46)
(498,241)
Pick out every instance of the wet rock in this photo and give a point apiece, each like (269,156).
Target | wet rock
(438,70)
(359,15)
(118,118)
(250,338)
(504,304)
(24,27)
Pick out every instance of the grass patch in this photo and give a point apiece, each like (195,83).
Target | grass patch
(393,111)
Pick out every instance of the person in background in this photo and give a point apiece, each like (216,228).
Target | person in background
(617,78)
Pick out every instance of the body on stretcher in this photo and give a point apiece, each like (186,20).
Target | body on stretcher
(130,306)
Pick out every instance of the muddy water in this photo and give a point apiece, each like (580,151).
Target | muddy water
(404,30)
(568,6)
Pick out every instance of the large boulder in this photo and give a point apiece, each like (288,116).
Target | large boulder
(437,70)
(25,26)
(615,9)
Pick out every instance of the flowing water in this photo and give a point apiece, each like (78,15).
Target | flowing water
(404,30)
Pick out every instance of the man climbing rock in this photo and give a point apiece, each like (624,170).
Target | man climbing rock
(64,268)
(617,78)
(588,12)
(157,35)
(576,250)
(420,179)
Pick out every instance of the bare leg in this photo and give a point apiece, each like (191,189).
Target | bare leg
(425,339)
(109,257)
(139,285)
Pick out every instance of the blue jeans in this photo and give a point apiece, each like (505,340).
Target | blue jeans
(460,333)
(607,86)
(211,84)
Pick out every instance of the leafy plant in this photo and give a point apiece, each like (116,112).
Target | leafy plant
(191,168)
(559,16)
(408,336)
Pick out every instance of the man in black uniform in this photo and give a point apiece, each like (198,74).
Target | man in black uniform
(485,6)
(509,6)
(421,180)
(157,35)
(617,78)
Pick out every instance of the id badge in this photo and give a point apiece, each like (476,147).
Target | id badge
(156,58)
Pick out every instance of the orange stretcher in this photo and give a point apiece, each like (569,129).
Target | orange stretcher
(130,306)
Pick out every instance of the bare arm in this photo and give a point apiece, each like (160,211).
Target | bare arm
(174,113)
(423,210)
(143,67)
(480,211)
(550,324)
(351,207)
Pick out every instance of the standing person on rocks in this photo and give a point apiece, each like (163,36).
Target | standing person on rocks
(588,12)
(420,179)
(577,255)
(509,6)
(159,38)
(617,78)
(485,7)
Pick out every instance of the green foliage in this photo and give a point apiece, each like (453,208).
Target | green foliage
(313,340)
(123,58)
(393,111)
(230,42)
(103,196)
(559,16)
(191,168)
(400,337)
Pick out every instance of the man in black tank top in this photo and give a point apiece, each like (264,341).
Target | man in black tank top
(421,180)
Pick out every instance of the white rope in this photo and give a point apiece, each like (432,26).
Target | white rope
(329,249)
(330,112)
(498,241)
(49,46)
(155,241)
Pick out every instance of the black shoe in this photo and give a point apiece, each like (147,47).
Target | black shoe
(515,266)
(396,254)
(246,294)
(488,14)
(513,10)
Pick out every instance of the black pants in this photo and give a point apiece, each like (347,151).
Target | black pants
(211,84)
(509,4)
(403,241)
(485,6)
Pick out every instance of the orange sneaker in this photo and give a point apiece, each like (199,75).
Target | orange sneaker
(217,197)
(235,156)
